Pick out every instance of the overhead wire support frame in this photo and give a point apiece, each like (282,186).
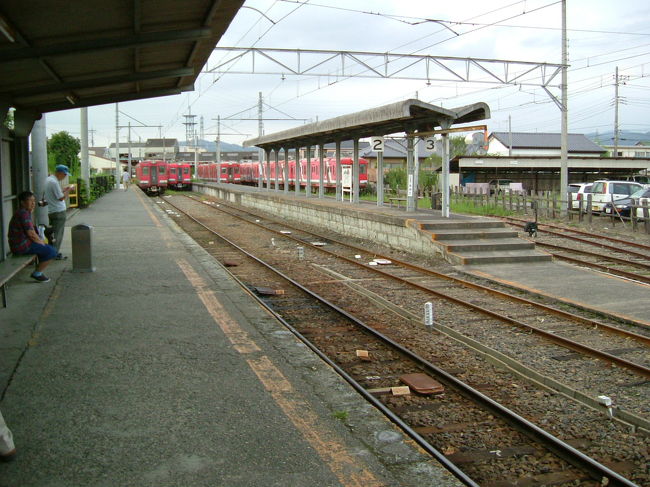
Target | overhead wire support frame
(547,72)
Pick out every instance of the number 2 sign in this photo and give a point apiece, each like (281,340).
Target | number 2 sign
(377,144)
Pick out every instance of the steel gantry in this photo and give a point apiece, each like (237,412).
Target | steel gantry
(362,64)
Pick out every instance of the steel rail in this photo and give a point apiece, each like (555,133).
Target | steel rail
(463,282)
(582,240)
(618,260)
(611,270)
(576,458)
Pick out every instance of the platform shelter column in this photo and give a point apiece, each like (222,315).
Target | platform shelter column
(339,192)
(410,177)
(355,172)
(286,171)
(445,175)
(39,168)
(321,163)
(308,171)
(268,169)
(297,171)
(277,168)
(380,178)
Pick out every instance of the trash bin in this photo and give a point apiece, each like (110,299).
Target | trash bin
(436,201)
(82,248)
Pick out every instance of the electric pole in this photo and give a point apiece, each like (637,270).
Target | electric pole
(564,138)
(617,79)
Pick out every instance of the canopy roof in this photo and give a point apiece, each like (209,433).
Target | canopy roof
(59,55)
(404,116)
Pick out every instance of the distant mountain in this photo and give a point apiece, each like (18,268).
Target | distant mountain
(211,146)
(625,137)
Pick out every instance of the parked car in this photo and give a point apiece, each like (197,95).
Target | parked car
(603,192)
(623,206)
(579,192)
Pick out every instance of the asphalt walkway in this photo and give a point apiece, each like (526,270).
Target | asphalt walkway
(159,370)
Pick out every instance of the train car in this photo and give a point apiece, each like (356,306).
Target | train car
(230,172)
(329,171)
(184,176)
(152,176)
(172,174)
(203,171)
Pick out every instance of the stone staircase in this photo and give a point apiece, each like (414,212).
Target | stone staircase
(475,241)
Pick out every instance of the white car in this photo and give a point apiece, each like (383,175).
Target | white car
(579,192)
(603,192)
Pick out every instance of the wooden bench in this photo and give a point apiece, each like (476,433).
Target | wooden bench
(397,200)
(9,268)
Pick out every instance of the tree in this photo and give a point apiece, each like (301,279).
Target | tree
(457,146)
(9,121)
(63,148)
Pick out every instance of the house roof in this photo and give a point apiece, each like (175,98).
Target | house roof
(528,140)
(124,145)
(61,55)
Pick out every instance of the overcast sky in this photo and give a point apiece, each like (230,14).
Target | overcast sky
(603,34)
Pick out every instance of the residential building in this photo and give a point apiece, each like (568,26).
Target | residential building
(541,144)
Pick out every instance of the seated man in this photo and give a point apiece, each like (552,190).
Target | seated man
(23,239)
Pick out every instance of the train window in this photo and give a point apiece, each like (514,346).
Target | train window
(224,170)
(145,171)
(363,169)
(172,170)
(161,169)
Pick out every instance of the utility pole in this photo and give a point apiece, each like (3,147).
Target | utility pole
(129,142)
(617,79)
(564,139)
(260,131)
(117,146)
(218,141)
(92,137)
(85,167)
(509,135)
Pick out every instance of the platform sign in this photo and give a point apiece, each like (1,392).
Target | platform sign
(430,143)
(346,180)
(377,144)
(409,190)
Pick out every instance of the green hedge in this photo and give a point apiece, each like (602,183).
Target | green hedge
(98,186)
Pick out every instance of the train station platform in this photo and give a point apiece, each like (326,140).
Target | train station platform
(158,369)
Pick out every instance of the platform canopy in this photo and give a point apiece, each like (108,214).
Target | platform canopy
(74,53)
(404,116)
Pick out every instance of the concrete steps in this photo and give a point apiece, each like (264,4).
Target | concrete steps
(479,241)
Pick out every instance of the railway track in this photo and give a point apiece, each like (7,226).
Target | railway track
(481,441)
(624,258)
(466,308)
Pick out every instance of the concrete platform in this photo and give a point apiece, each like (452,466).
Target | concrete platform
(158,370)
(577,286)
(423,232)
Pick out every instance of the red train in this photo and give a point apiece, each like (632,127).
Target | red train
(152,176)
(229,172)
(179,175)
(248,172)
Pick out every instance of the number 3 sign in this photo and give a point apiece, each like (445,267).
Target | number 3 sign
(377,144)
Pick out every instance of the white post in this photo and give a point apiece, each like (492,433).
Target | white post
(39,167)
(85,163)
(117,146)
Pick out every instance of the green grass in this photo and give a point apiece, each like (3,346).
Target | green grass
(341,415)
(468,207)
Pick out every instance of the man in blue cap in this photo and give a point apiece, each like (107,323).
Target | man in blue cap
(55,197)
